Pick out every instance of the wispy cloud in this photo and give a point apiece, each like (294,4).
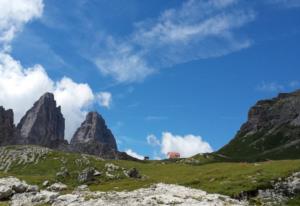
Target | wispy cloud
(104,99)
(270,87)
(150,118)
(195,30)
(285,3)
(277,87)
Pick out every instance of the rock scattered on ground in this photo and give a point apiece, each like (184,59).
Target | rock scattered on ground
(56,187)
(133,173)
(12,185)
(282,190)
(159,194)
(86,175)
(20,155)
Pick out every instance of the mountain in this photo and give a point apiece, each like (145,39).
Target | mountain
(7,127)
(43,124)
(93,137)
(271,132)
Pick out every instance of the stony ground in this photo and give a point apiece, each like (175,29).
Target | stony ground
(22,194)
(20,156)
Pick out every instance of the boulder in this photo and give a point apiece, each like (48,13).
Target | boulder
(86,175)
(133,173)
(5,192)
(110,167)
(57,187)
(43,124)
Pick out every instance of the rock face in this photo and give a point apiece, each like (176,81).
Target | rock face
(43,124)
(7,127)
(271,132)
(93,137)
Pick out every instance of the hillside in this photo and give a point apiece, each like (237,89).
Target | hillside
(36,164)
(271,132)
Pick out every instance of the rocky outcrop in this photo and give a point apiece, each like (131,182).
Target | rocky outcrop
(93,137)
(43,124)
(7,127)
(271,132)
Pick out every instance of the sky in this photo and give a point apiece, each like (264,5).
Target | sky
(172,75)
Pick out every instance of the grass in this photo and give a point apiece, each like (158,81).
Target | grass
(228,178)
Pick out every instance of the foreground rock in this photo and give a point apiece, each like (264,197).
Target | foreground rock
(281,191)
(271,132)
(7,127)
(93,137)
(12,185)
(159,194)
(43,124)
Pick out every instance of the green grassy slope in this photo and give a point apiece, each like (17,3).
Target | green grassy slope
(219,177)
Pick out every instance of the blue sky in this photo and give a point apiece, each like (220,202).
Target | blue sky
(173,68)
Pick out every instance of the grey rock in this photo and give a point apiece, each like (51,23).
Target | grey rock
(11,185)
(46,183)
(133,173)
(97,173)
(86,175)
(5,192)
(62,173)
(93,137)
(7,127)
(43,124)
(56,187)
(110,167)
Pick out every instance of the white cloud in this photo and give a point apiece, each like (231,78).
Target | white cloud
(270,87)
(285,3)
(74,99)
(21,87)
(14,14)
(150,118)
(104,99)
(196,30)
(187,145)
(122,63)
(152,140)
(134,154)
(277,87)
(294,84)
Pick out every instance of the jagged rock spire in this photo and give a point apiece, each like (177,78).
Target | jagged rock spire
(93,137)
(7,127)
(43,124)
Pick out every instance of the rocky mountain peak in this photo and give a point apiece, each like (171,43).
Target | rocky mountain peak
(43,124)
(93,137)
(272,130)
(7,127)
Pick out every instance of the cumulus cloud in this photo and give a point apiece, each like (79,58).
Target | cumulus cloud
(14,14)
(152,140)
(134,154)
(187,145)
(195,30)
(104,99)
(20,87)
